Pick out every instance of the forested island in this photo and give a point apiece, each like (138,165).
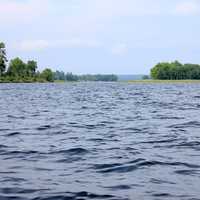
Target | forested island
(175,71)
(18,71)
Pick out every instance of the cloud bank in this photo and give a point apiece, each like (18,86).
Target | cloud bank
(110,31)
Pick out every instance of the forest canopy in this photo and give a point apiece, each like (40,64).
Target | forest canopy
(175,71)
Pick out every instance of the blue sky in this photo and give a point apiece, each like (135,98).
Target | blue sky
(101,36)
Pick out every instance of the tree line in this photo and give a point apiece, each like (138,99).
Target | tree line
(60,75)
(19,71)
(175,71)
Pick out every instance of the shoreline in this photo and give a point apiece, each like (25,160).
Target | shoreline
(131,81)
(163,81)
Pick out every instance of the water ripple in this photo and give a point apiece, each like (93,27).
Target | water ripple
(114,141)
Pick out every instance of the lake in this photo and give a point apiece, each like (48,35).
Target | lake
(113,141)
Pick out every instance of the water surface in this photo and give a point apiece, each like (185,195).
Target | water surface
(99,141)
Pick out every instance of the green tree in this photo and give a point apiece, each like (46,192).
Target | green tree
(47,75)
(175,71)
(31,68)
(161,71)
(3,58)
(17,68)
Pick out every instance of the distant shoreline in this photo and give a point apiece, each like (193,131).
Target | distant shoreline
(163,81)
(131,82)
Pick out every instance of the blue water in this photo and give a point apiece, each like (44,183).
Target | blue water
(99,141)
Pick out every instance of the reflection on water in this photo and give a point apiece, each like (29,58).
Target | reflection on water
(99,141)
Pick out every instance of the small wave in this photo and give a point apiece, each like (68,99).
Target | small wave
(96,139)
(159,141)
(75,196)
(20,153)
(111,165)
(42,169)
(15,117)
(13,134)
(7,172)
(163,195)
(68,160)
(197,97)
(3,146)
(188,172)
(4,129)
(72,151)
(168,117)
(16,191)
(104,166)
(119,187)
(45,127)
(12,198)
(140,164)
(134,130)
(191,145)
(158,181)
(12,179)
(88,126)
(191,124)
(152,163)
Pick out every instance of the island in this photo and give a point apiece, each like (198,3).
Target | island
(175,71)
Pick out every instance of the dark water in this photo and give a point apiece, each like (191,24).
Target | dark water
(99,141)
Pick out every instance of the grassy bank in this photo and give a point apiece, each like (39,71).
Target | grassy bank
(164,81)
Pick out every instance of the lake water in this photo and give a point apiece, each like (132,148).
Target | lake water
(113,141)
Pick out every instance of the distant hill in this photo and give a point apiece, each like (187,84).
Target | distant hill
(129,77)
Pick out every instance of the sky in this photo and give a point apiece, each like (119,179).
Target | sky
(101,36)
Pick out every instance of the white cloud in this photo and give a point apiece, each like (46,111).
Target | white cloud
(32,45)
(119,49)
(38,45)
(81,12)
(88,12)
(88,16)
(18,12)
(188,8)
(111,8)
(76,21)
